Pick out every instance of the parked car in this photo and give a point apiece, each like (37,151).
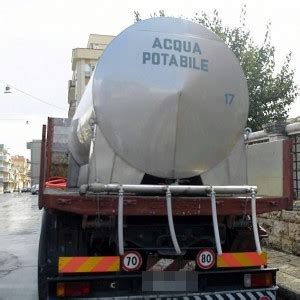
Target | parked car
(7,191)
(25,190)
(35,189)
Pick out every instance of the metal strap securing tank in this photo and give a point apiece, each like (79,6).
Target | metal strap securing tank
(170,221)
(120,220)
(178,190)
(215,221)
(254,221)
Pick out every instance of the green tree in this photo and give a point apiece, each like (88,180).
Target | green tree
(270,93)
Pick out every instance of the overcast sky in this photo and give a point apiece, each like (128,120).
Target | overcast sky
(37,38)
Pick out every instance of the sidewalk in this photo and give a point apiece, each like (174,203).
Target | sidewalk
(288,277)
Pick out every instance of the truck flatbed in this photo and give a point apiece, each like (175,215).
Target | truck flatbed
(72,201)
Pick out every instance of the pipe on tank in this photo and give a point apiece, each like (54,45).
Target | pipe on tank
(162,189)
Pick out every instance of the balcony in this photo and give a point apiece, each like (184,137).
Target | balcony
(4,169)
(4,179)
(87,73)
(4,158)
(86,54)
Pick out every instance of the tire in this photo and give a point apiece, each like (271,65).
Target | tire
(61,235)
(42,258)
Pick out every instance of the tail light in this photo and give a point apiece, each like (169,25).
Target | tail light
(73,289)
(258,280)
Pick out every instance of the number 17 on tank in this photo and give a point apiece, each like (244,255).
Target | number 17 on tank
(228,97)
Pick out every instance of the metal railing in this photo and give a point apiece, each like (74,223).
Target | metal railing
(296,165)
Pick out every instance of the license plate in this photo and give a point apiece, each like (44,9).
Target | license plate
(170,281)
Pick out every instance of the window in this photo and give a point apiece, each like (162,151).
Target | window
(95,46)
(88,69)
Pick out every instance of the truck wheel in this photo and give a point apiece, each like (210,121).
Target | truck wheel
(42,257)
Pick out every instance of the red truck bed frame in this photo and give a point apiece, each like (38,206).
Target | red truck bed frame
(71,201)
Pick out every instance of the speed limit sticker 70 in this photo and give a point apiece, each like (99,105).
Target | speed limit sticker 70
(206,259)
(131,261)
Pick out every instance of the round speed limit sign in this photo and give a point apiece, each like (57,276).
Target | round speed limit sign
(131,261)
(206,259)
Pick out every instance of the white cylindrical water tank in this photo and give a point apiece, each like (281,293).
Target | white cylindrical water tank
(169,97)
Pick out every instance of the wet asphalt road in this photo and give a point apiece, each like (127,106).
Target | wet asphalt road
(19,235)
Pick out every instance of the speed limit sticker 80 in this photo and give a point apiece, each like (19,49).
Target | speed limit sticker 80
(131,261)
(206,259)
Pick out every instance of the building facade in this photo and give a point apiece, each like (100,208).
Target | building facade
(6,172)
(14,171)
(35,158)
(21,169)
(84,61)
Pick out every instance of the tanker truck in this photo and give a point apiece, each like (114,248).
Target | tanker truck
(136,202)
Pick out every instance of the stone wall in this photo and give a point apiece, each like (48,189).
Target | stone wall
(283,228)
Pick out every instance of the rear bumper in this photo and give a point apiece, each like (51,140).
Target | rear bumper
(213,285)
(264,294)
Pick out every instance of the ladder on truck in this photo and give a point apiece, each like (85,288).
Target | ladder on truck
(168,191)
